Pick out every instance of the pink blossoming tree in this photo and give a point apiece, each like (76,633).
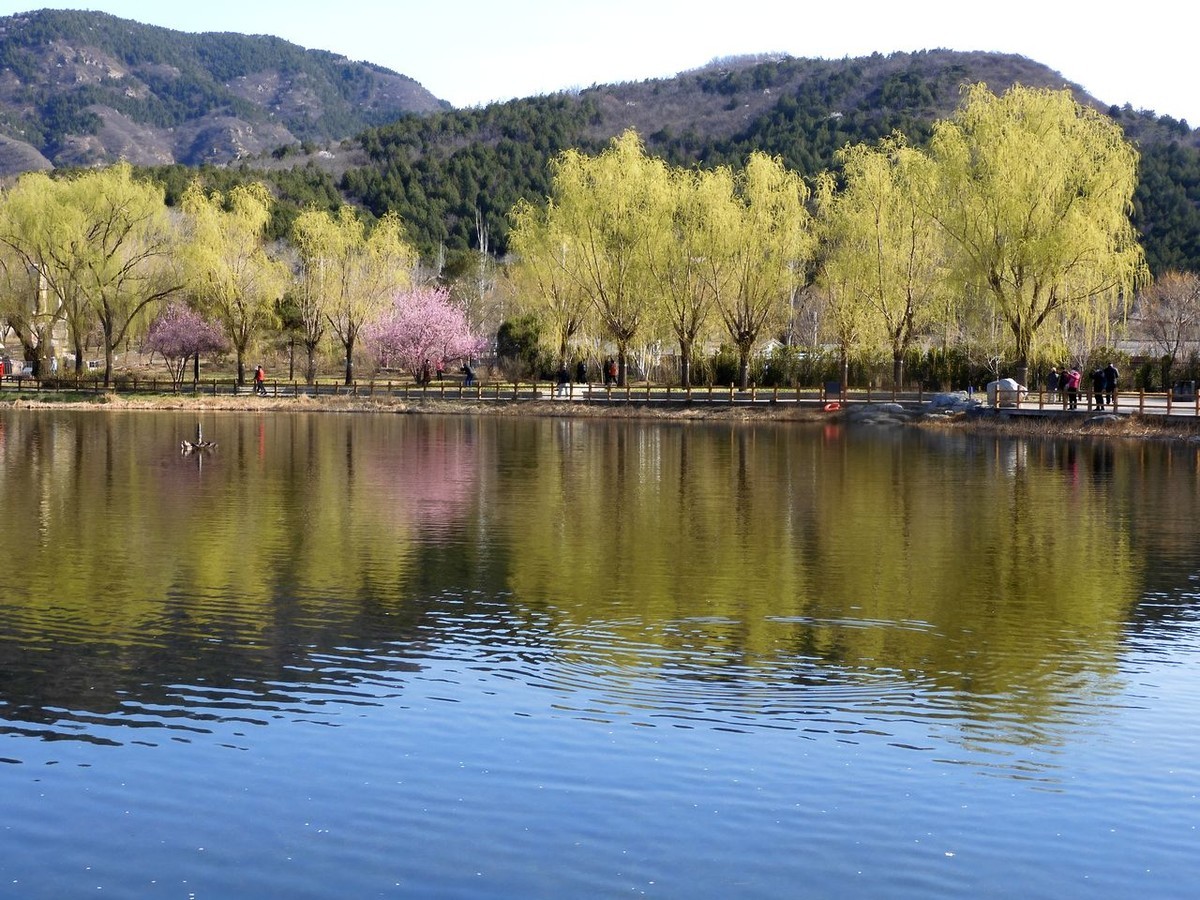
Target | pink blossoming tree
(180,333)
(420,327)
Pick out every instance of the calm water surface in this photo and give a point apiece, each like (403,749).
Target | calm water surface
(358,656)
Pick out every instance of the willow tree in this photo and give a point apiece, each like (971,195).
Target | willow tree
(608,209)
(231,274)
(882,239)
(1035,195)
(699,209)
(560,300)
(763,241)
(129,245)
(103,243)
(31,287)
(351,273)
(842,282)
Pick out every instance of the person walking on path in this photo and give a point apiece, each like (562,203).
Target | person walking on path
(260,381)
(1052,385)
(1110,384)
(1098,387)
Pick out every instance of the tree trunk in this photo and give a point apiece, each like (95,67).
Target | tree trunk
(350,360)
(108,354)
(310,365)
(685,365)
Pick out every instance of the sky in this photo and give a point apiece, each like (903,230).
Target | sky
(471,52)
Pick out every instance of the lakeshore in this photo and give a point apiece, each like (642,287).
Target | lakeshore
(879,414)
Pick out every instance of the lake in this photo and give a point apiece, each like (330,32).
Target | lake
(365,655)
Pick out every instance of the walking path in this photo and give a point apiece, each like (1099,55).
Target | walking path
(1040,404)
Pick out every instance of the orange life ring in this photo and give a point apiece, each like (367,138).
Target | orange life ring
(832,406)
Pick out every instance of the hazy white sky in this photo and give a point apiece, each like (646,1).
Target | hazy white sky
(470,52)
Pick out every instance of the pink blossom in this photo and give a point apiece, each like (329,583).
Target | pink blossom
(421,326)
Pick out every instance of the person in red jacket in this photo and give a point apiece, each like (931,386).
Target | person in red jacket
(1073,378)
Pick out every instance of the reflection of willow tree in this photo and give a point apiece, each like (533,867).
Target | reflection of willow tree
(766,548)
(287,514)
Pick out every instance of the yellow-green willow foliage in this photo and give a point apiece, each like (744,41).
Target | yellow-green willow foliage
(102,245)
(700,204)
(349,275)
(33,292)
(885,252)
(1035,195)
(609,209)
(230,271)
(649,245)
(843,280)
(768,243)
(554,295)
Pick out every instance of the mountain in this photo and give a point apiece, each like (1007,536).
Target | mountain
(81,88)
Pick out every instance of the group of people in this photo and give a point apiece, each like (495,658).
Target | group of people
(562,378)
(610,372)
(427,370)
(1067,383)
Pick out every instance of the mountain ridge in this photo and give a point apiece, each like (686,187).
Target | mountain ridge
(82,88)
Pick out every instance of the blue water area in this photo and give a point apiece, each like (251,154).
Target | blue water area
(359,656)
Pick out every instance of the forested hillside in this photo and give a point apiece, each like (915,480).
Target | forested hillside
(81,88)
(439,171)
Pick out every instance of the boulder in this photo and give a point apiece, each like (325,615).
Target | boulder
(1005,392)
(953,401)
